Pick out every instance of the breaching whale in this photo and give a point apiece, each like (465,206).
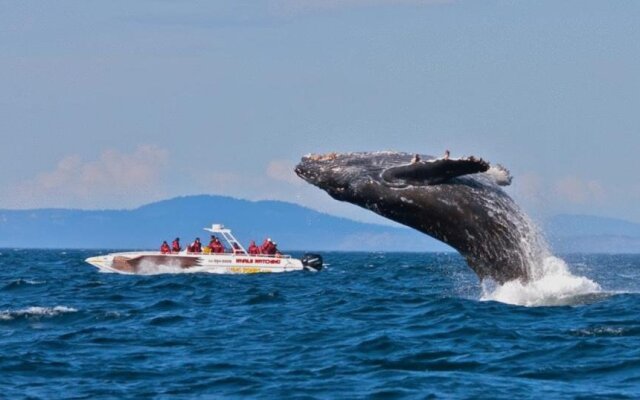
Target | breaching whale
(457,201)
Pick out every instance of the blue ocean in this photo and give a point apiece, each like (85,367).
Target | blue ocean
(369,325)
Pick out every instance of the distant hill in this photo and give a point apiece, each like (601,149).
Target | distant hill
(292,226)
(590,234)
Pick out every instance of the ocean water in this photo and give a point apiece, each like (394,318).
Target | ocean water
(368,326)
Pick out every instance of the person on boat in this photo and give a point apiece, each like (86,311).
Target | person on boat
(195,247)
(446,155)
(165,249)
(415,159)
(216,246)
(253,249)
(275,250)
(271,248)
(266,246)
(219,247)
(175,246)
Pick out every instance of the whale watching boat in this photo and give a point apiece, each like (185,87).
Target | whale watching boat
(239,261)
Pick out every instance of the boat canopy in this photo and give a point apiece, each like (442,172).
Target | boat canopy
(227,235)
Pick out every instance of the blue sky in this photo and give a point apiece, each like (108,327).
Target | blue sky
(111,104)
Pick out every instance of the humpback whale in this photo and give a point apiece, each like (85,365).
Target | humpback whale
(457,201)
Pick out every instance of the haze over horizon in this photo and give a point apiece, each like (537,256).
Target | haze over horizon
(118,104)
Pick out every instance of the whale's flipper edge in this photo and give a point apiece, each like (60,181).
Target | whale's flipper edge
(433,172)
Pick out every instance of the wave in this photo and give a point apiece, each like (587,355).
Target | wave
(21,282)
(29,312)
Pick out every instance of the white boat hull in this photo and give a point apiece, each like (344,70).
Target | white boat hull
(150,263)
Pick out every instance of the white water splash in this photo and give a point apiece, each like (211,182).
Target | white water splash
(555,285)
(147,267)
(8,315)
(551,281)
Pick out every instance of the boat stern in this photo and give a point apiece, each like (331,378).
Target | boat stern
(312,262)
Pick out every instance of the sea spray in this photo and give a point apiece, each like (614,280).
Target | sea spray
(150,268)
(555,285)
(551,282)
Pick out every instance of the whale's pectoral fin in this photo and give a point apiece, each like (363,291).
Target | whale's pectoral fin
(433,172)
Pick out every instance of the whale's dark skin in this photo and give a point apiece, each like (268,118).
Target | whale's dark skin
(455,201)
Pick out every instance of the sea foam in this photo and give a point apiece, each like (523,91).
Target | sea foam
(8,315)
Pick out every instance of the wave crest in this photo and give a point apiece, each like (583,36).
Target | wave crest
(28,312)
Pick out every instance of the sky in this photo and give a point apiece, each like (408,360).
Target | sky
(114,104)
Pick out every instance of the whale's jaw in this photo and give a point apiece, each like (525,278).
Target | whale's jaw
(454,202)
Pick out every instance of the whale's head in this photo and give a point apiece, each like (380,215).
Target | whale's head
(457,201)
(348,176)
(355,177)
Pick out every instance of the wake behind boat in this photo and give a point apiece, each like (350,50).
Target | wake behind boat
(237,262)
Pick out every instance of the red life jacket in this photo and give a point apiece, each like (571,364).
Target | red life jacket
(217,247)
(265,246)
(164,249)
(269,248)
(175,246)
(253,249)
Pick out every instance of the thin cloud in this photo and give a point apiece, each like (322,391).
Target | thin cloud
(529,187)
(569,194)
(578,191)
(283,170)
(114,178)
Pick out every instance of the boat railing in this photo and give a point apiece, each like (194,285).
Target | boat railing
(286,256)
(266,255)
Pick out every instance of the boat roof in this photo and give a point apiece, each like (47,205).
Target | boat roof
(217,228)
(227,235)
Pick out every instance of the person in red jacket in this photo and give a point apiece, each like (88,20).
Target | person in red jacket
(264,247)
(268,247)
(216,246)
(253,249)
(196,246)
(165,249)
(175,246)
(212,242)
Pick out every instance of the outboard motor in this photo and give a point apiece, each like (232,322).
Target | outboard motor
(312,262)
